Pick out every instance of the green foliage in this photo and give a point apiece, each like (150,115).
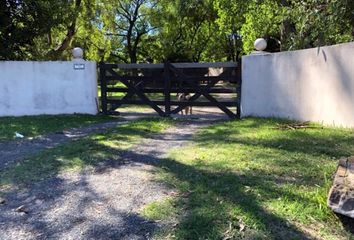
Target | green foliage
(126,24)
(320,22)
(187,31)
(41,29)
(22,21)
(155,31)
(262,19)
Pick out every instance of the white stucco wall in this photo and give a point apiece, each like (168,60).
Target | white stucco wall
(32,88)
(307,85)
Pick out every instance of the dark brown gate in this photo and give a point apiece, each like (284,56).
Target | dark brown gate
(156,85)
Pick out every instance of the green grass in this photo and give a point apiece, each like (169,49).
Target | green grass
(160,210)
(82,153)
(249,180)
(31,126)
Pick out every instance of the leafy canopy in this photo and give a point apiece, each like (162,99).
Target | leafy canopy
(159,30)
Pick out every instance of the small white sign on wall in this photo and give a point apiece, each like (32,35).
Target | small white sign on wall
(79,66)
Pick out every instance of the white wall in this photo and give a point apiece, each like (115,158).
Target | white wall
(307,85)
(32,88)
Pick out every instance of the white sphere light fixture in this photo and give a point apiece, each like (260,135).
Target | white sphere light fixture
(260,44)
(78,53)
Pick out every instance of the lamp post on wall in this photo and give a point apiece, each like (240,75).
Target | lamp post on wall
(78,54)
(260,44)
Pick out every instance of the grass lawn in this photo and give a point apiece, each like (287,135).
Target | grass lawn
(31,126)
(82,153)
(249,180)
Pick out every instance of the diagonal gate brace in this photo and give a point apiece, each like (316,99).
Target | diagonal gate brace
(203,92)
(139,93)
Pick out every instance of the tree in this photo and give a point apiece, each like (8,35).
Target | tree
(320,22)
(187,30)
(299,24)
(56,43)
(20,23)
(231,17)
(175,30)
(127,23)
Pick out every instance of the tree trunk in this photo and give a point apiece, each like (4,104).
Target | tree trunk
(287,28)
(71,31)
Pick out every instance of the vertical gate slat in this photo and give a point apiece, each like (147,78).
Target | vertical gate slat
(238,88)
(103,83)
(167,90)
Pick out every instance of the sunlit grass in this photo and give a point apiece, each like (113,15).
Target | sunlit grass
(31,126)
(82,153)
(248,179)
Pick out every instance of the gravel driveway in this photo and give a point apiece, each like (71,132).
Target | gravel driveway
(12,152)
(97,203)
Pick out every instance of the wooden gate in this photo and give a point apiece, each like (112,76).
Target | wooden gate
(134,83)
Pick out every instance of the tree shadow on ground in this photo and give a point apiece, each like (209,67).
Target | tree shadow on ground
(206,190)
(203,194)
(58,208)
(222,185)
(202,205)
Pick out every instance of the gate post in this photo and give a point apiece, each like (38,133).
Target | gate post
(167,90)
(238,88)
(103,88)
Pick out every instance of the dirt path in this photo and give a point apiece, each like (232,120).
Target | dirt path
(12,152)
(98,203)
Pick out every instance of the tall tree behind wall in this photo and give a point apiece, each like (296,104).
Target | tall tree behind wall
(231,17)
(299,24)
(40,29)
(22,21)
(188,31)
(77,28)
(126,24)
(320,22)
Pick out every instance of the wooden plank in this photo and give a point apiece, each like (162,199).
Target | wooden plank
(205,65)
(203,78)
(103,88)
(134,78)
(176,65)
(106,66)
(172,103)
(167,90)
(238,89)
(173,78)
(174,90)
(136,66)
